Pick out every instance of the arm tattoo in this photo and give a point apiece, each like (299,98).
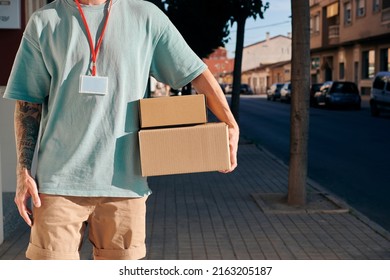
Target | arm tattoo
(27,121)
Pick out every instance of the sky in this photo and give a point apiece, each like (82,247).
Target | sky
(276,21)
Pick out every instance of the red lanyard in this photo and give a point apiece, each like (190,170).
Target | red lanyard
(94,51)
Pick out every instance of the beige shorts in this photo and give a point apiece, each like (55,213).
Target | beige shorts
(116,228)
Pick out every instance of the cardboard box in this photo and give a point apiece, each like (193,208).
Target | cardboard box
(190,149)
(173,110)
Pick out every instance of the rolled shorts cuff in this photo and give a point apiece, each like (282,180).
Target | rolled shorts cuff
(35,253)
(134,253)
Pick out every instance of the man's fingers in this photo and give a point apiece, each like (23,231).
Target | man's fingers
(26,218)
(26,188)
(36,200)
(24,212)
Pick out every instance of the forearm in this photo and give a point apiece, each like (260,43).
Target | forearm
(216,100)
(27,121)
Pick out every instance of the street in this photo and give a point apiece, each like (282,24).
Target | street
(348,150)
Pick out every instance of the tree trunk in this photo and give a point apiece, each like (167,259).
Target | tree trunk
(300,79)
(235,103)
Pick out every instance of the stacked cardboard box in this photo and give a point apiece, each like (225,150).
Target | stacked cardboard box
(175,137)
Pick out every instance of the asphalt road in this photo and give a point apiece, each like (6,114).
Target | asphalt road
(349,151)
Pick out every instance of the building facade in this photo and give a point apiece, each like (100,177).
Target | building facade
(268,51)
(220,65)
(262,77)
(350,40)
(267,62)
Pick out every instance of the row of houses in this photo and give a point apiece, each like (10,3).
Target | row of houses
(263,63)
(349,41)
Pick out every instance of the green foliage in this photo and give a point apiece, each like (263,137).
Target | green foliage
(239,9)
(204,24)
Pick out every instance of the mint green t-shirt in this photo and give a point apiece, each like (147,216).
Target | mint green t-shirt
(89,143)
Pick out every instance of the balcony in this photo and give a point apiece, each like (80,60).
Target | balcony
(386,16)
(333,34)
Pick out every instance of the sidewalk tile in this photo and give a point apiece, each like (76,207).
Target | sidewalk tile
(213,216)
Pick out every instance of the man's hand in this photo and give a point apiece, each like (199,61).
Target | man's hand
(27,121)
(206,84)
(233,146)
(26,187)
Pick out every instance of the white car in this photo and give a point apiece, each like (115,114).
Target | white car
(380,93)
(285,93)
(274,91)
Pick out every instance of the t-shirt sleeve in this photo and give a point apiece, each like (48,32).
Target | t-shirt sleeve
(29,79)
(174,62)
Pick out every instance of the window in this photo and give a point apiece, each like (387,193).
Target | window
(360,8)
(368,64)
(332,10)
(385,11)
(341,71)
(315,63)
(375,6)
(347,13)
(384,63)
(315,24)
(356,71)
(311,25)
(344,87)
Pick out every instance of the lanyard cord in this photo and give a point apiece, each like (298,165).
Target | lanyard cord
(94,51)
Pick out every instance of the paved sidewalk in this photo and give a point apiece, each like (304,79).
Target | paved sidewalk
(239,216)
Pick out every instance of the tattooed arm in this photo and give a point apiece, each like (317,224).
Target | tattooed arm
(27,120)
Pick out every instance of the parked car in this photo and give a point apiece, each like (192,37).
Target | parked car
(274,91)
(246,89)
(339,93)
(313,89)
(228,88)
(380,93)
(285,93)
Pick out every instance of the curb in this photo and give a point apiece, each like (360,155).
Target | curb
(331,196)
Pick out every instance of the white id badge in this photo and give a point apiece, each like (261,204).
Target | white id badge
(93,85)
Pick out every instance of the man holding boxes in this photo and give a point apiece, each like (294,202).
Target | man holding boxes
(80,71)
(175,137)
